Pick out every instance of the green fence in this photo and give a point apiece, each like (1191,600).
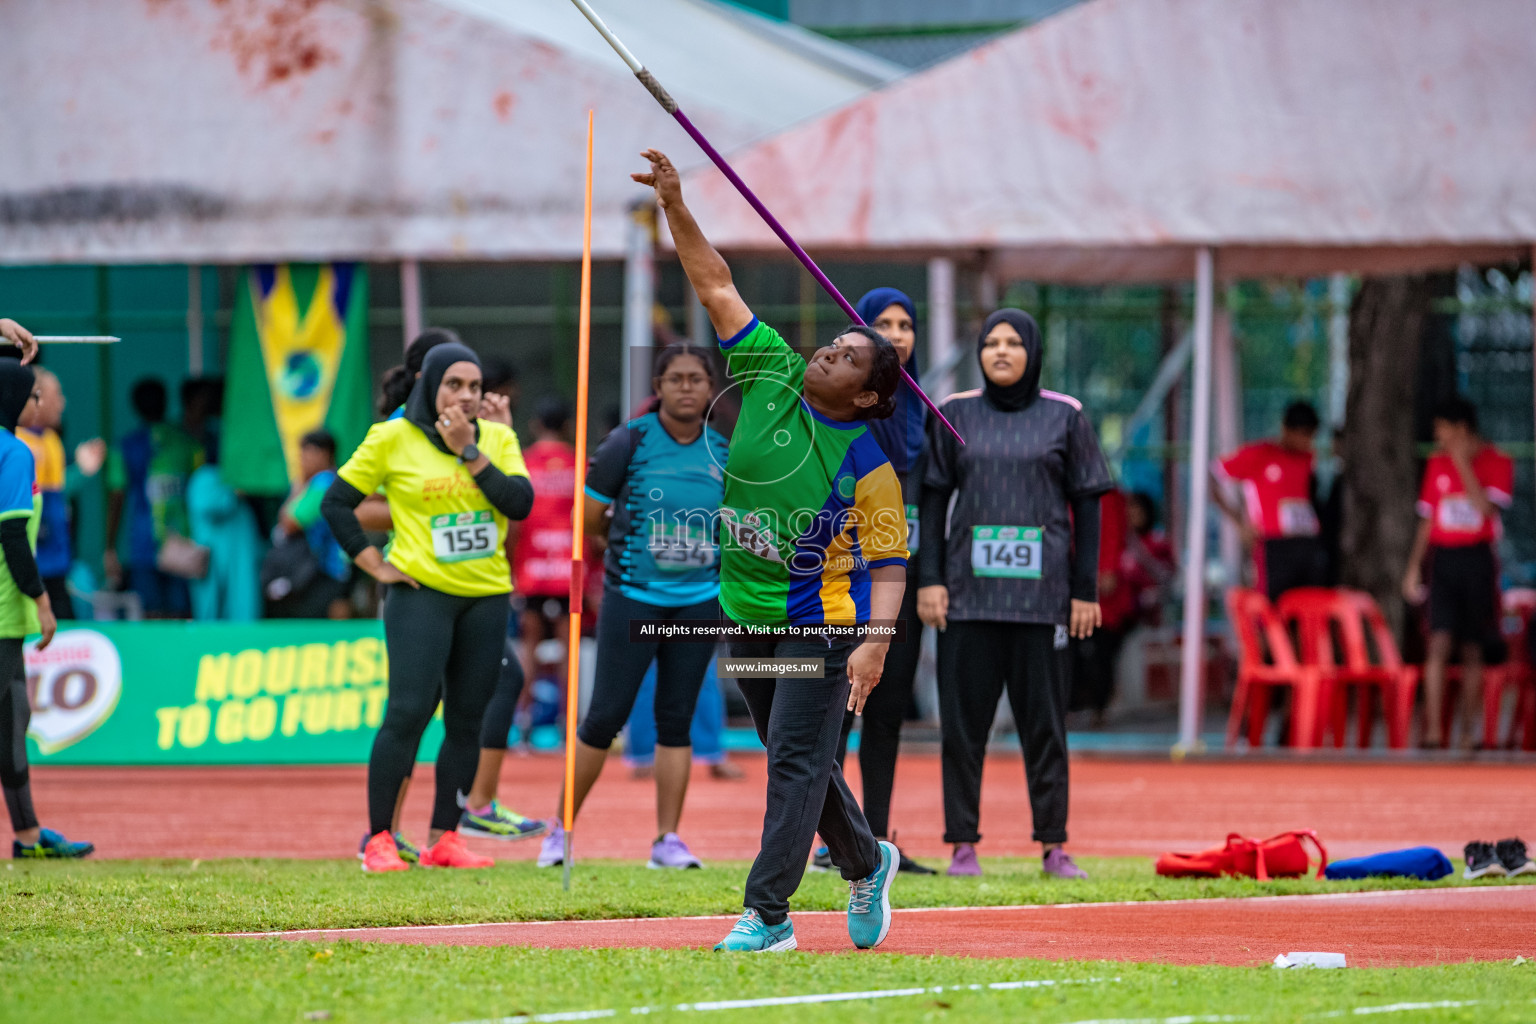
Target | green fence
(148,693)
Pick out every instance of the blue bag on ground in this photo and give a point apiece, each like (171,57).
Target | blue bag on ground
(1424,862)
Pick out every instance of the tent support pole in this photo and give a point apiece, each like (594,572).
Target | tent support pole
(639,301)
(1229,425)
(941,322)
(410,300)
(1193,661)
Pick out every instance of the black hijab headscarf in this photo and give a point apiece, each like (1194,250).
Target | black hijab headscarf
(421,406)
(1026,389)
(16,385)
(900,435)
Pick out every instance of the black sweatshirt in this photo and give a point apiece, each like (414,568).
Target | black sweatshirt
(1022,540)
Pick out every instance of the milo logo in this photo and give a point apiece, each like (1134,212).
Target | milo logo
(73,687)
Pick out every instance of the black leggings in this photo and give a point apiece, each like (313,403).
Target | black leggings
(621,665)
(15,713)
(976,661)
(444,645)
(497,724)
(884,712)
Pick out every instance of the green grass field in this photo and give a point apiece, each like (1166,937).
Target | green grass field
(132,941)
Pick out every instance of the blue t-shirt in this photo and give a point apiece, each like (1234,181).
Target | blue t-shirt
(19,499)
(663,544)
(306,512)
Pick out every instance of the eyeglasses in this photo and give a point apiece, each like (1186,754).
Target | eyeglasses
(677,380)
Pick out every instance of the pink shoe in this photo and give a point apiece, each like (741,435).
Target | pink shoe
(964,861)
(1060,864)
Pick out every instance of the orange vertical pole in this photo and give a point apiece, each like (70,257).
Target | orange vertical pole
(578,568)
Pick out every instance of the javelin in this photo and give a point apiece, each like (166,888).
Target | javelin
(578,569)
(670,106)
(75,339)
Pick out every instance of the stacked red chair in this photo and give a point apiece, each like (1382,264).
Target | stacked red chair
(1343,634)
(1267,660)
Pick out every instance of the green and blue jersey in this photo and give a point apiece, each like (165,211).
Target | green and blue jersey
(811,504)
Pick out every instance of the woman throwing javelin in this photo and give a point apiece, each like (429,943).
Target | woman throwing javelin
(452,481)
(812,535)
(1013,576)
(663,475)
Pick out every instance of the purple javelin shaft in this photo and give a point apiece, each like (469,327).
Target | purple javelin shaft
(794,247)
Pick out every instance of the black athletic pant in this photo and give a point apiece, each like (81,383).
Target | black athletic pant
(800,721)
(439,645)
(496,726)
(15,713)
(976,661)
(621,666)
(884,712)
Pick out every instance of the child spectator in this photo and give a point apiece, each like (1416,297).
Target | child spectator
(1466,482)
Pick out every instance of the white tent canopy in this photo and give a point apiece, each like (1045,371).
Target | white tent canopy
(185,131)
(1112,140)
(1135,140)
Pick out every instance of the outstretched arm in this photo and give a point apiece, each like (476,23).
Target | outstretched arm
(706,269)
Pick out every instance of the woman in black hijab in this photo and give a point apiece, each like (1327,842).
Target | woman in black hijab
(1008,575)
(452,480)
(24,610)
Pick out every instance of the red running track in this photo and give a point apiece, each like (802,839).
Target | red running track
(1376,929)
(1140,808)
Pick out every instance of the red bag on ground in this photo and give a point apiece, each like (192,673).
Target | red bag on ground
(1280,856)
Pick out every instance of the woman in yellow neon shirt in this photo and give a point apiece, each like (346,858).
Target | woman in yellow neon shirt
(452,483)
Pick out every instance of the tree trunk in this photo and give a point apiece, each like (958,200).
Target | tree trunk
(1387,325)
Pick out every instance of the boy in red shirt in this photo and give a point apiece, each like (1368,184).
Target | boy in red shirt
(1466,482)
(1277,516)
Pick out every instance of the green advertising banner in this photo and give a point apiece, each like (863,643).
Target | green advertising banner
(149,693)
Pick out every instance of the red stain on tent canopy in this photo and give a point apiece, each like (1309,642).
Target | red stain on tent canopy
(272,41)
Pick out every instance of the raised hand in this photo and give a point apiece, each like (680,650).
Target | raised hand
(662,177)
(496,408)
(456,429)
(15,334)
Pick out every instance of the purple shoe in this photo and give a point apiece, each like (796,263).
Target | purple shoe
(964,861)
(1060,864)
(671,852)
(552,851)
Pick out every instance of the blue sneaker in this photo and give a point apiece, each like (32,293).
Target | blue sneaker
(499,822)
(751,935)
(869,901)
(50,846)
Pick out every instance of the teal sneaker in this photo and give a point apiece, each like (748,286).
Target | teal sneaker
(50,846)
(499,822)
(407,849)
(869,901)
(751,935)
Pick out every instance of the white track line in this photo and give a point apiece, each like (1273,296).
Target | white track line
(807,1000)
(1359,1011)
(1294,898)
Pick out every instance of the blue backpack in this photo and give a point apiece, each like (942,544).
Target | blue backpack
(1424,862)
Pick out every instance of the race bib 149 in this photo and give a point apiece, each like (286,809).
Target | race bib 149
(1011,552)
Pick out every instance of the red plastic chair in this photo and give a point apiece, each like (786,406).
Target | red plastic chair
(1337,629)
(1266,660)
(1519,609)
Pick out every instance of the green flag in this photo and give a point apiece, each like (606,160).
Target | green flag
(298,361)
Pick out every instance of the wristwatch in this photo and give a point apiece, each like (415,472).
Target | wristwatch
(469,454)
